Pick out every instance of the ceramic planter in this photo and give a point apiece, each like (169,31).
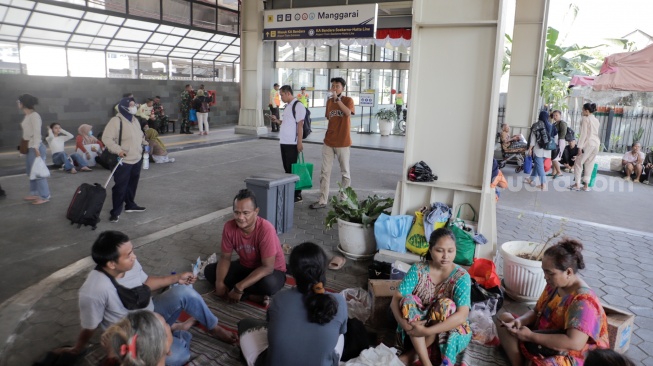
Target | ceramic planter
(523,278)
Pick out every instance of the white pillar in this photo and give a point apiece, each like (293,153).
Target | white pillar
(527,62)
(453,107)
(250,120)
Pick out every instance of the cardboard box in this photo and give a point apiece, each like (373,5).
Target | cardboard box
(620,327)
(381,292)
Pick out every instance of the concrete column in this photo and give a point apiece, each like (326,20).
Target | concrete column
(250,120)
(453,108)
(527,61)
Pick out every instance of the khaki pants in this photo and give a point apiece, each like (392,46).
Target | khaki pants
(587,162)
(328,153)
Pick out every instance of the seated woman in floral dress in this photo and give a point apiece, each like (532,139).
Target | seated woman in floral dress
(432,304)
(568,320)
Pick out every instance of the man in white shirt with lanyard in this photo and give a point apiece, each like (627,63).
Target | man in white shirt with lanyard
(291,131)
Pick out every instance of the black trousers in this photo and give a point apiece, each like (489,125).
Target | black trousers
(125,185)
(268,285)
(289,156)
(399,109)
(275,112)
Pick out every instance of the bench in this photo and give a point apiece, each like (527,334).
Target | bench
(174,122)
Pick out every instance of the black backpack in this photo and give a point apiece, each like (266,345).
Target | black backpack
(571,135)
(307,121)
(541,134)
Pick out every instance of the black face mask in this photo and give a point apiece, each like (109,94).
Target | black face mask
(132,298)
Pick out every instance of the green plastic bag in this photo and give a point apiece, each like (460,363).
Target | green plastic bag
(593,177)
(465,244)
(304,171)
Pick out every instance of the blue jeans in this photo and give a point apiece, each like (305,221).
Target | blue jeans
(180,348)
(538,169)
(37,187)
(61,158)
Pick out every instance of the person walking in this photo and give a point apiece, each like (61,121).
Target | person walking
(184,109)
(556,155)
(337,139)
(291,131)
(275,103)
(539,153)
(588,148)
(130,150)
(399,103)
(39,191)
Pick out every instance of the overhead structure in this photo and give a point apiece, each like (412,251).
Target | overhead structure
(627,71)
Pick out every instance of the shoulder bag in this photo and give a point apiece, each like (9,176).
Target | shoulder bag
(24,146)
(131,298)
(108,159)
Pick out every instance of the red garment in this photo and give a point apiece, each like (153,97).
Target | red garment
(79,143)
(262,242)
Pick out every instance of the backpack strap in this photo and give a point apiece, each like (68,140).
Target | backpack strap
(294,116)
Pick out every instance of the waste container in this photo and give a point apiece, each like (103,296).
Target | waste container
(275,195)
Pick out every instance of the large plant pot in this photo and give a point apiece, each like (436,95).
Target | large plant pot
(355,239)
(385,126)
(523,278)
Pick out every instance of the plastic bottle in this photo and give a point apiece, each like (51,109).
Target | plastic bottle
(146,158)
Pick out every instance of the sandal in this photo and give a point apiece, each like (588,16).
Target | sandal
(574,188)
(528,181)
(317,205)
(337,262)
(586,189)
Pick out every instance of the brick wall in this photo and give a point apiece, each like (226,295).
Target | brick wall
(74,101)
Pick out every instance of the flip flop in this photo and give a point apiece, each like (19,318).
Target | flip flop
(317,205)
(574,188)
(337,262)
(588,189)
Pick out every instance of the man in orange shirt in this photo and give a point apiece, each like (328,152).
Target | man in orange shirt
(337,141)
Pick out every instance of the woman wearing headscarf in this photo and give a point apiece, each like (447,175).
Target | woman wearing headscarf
(130,149)
(39,191)
(539,153)
(87,144)
(157,148)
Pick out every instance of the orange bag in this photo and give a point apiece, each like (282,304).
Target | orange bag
(547,164)
(484,272)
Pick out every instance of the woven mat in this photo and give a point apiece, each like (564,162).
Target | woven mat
(208,351)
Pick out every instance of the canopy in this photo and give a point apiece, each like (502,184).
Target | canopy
(628,71)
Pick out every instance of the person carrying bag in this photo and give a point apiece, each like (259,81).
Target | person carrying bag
(305,173)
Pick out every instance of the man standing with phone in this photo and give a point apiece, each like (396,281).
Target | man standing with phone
(337,140)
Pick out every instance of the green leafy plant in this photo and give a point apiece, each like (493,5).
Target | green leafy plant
(638,135)
(346,206)
(387,114)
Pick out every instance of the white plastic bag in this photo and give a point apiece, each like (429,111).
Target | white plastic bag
(359,304)
(381,355)
(39,169)
(484,330)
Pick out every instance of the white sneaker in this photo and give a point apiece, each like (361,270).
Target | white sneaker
(171,160)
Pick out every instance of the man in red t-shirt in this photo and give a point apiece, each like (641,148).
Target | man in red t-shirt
(337,140)
(260,270)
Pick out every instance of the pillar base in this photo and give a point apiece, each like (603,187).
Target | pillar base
(251,130)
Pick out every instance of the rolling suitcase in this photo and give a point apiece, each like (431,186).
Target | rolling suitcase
(87,202)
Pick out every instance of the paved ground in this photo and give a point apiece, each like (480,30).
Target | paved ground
(190,194)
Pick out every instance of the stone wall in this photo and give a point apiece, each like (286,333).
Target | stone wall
(74,101)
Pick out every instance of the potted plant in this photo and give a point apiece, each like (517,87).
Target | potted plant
(386,116)
(522,267)
(355,220)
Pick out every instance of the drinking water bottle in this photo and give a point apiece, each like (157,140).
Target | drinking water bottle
(146,158)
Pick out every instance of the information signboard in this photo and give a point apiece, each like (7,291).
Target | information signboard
(347,21)
(366,100)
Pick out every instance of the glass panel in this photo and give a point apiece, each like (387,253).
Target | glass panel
(176,11)
(42,41)
(81,39)
(321,53)
(227,58)
(101,41)
(140,25)
(224,71)
(52,22)
(115,20)
(203,70)
(299,54)
(76,2)
(157,38)
(145,8)
(180,69)
(203,16)
(212,2)
(96,47)
(171,40)
(10,58)
(181,53)
(16,16)
(46,35)
(10,30)
(284,53)
(113,5)
(86,63)
(107,31)
(21,4)
(117,43)
(231,4)
(216,47)
(88,28)
(3,12)
(153,67)
(78,45)
(73,13)
(319,98)
(179,31)
(227,21)
(95,16)
(191,43)
(120,65)
(223,39)
(236,42)
(133,34)
(199,35)
(35,64)
(161,52)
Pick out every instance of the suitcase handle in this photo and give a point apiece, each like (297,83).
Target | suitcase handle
(112,172)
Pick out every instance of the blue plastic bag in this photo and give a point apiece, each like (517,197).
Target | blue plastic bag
(391,232)
(192,116)
(528,165)
(438,216)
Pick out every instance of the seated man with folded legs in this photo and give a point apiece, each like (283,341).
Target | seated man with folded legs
(633,163)
(259,272)
(105,298)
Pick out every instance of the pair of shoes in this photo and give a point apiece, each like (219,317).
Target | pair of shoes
(188,132)
(298,199)
(574,188)
(135,209)
(114,218)
(644,182)
(317,205)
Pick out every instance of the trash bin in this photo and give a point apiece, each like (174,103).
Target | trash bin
(275,195)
